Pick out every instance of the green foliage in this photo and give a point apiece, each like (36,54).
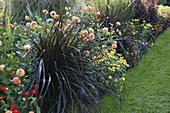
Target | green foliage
(113,10)
(163,2)
(34,8)
(16,70)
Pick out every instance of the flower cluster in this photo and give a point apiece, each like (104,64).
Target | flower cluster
(17,92)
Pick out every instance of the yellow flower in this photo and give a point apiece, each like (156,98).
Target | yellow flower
(20,72)
(2,67)
(123,78)
(110,77)
(45,11)
(27,47)
(27,17)
(116,80)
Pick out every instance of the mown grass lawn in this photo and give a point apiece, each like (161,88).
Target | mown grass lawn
(147,86)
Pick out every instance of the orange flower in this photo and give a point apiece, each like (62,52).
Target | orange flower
(31,111)
(27,47)
(105,29)
(91,37)
(85,32)
(91,30)
(27,17)
(53,14)
(8,111)
(89,8)
(114,46)
(16,80)
(33,23)
(40,28)
(74,18)
(68,21)
(1,67)
(20,72)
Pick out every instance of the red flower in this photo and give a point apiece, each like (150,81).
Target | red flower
(2,97)
(36,86)
(15,111)
(27,94)
(13,107)
(3,88)
(33,92)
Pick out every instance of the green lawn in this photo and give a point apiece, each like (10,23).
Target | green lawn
(147,86)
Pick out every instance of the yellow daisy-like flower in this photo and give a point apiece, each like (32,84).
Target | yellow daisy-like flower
(110,77)
(123,78)
(116,80)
